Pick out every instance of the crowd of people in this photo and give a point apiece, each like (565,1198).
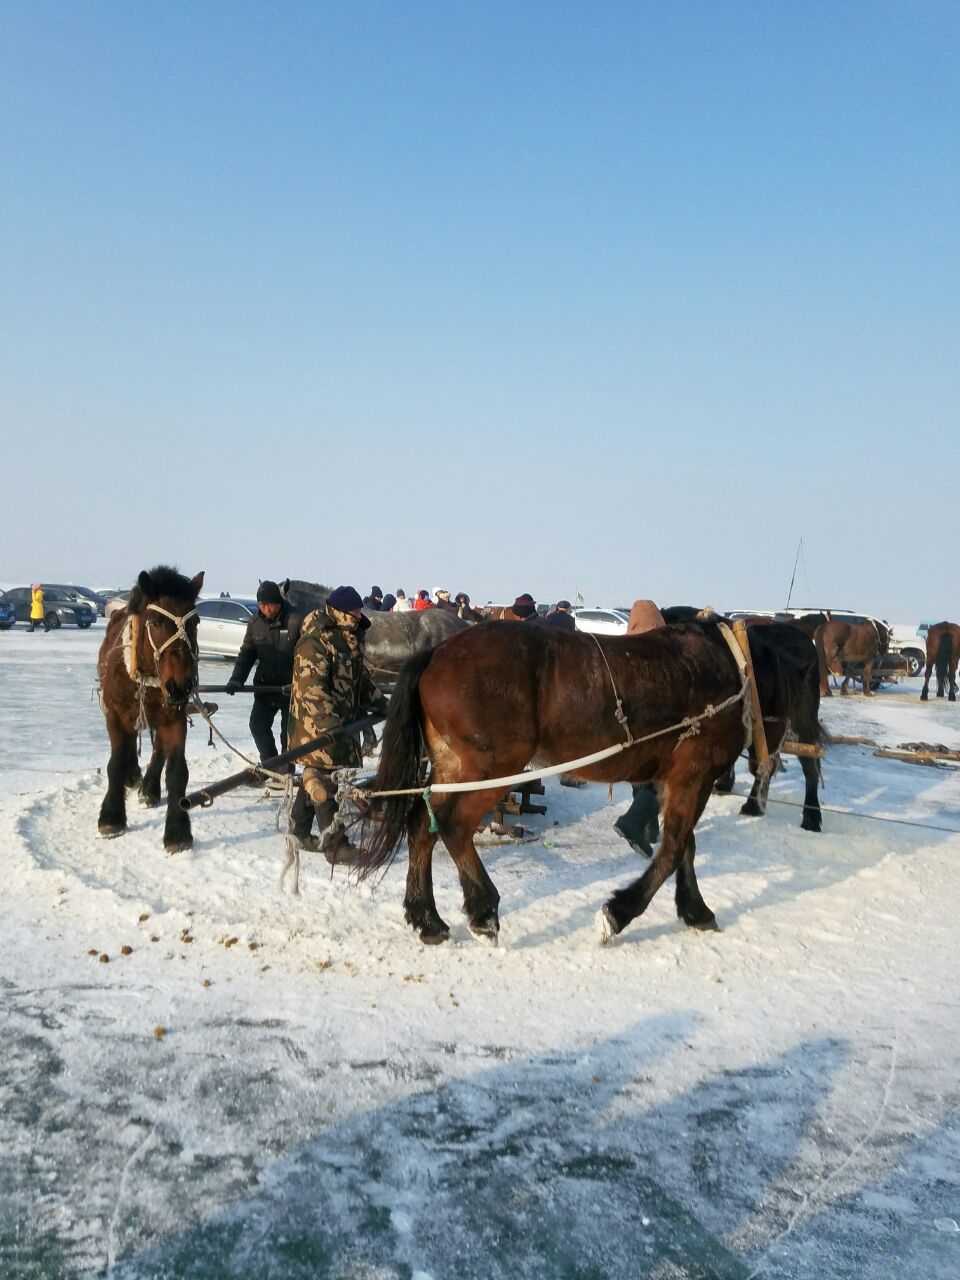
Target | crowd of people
(310,672)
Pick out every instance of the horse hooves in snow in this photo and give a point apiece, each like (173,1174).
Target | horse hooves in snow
(110,830)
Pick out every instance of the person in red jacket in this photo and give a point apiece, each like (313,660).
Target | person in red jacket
(423,601)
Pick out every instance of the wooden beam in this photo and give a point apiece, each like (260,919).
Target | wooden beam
(759,735)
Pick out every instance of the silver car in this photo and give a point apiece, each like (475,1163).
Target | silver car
(602,622)
(223,624)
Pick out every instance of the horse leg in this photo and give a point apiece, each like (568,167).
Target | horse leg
(868,678)
(177,835)
(725,783)
(123,760)
(755,805)
(925,691)
(458,825)
(150,786)
(683,796)
(691,908)
(419,907)
(812,819)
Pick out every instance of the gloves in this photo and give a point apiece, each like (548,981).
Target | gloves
(233,686)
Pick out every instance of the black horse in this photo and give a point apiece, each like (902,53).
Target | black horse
(393,638)
(787,669)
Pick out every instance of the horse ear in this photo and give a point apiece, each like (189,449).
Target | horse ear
(146,585)
(196,583)
(285,587)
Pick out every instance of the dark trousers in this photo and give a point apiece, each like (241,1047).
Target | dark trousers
(262,716)
(304,811)
(38,622)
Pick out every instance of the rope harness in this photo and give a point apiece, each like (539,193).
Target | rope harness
(688,727)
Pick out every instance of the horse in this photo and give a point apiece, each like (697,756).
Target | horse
(490,700)
(392,638)
(790,645)
(148,670)
(943,648)
(849,644)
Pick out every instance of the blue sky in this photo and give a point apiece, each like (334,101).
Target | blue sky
(504,297)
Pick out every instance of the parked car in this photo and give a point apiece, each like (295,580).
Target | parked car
(8,614)
(95,598)
(118,600)
(601,622)
(223,624)
(61,606)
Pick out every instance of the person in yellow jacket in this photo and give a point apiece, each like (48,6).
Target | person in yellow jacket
(36,608)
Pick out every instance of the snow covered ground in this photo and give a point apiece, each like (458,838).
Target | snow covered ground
(331,1099)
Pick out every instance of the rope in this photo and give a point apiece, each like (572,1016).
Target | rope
(618,712)
(690,726)
(851,813)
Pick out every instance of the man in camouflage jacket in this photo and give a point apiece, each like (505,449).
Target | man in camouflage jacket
(331,686)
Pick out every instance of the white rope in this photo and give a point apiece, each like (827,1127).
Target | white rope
(690,726)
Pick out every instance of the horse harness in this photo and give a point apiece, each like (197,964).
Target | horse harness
(692,724)
(129,638)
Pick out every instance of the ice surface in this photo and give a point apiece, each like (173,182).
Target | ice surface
(331,1099)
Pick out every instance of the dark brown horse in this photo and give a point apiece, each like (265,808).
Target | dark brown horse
(490,700)
(148,670)
(842,645)
(943,649)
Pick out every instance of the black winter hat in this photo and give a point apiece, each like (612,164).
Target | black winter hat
(345,599)
(269,593)
(375,591)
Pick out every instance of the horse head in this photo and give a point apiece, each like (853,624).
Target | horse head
(164,601)
(884,632)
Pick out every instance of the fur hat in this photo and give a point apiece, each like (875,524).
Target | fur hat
(269,593)
(524,605)
(345,599)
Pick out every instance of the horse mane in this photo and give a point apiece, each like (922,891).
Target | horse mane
(164,580)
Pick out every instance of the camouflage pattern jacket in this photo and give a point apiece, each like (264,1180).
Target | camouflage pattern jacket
(331,686)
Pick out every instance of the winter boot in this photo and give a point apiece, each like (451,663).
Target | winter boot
(640,825)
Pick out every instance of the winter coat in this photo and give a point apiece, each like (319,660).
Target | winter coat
(562,620)
(269,644)
(372,604)
(420,605)
(331,686)
(402,606)
(36,604)
(644,616)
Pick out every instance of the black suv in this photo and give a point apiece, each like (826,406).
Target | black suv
(60,605)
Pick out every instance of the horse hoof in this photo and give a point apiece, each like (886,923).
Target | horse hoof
(110,830)
(148,802)
(178,846)
(811,824)
(607,927)
(487,930)
(751,809)
(433,937)
(707,925)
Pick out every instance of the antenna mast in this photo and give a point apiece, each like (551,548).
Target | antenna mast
(794,576)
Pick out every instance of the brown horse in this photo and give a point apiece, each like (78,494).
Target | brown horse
(841,645)
(489,700)
(148,670)
(943,648)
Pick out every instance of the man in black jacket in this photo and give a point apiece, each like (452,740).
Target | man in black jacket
(271,638)
(561,617)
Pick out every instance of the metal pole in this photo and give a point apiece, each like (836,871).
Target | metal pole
(205,797)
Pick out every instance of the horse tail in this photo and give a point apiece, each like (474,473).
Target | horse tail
(399,769)
(943,658)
